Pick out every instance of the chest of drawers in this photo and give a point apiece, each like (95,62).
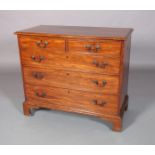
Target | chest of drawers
(76,69)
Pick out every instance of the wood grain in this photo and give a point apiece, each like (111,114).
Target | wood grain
(30,43)
(73,98)
(76,69)
(72,62)
(78,32)
(73,80)
(124,70)
(106,48)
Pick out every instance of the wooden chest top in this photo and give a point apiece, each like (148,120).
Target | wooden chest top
(77,31)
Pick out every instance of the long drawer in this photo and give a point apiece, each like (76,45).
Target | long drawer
(72,62)
(72,80)
(92,102)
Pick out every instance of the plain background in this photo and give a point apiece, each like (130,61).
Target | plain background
(51,127)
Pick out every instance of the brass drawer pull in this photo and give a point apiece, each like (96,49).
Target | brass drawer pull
(88,47)
(38,58)
(95,63)
(40,94)
(98,47)
(101,65)
(42,44)
(96,82)
(100,103)
(104,82)
(38,75)
(94,102)
(92,48)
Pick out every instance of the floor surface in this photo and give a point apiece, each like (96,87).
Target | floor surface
(53,127)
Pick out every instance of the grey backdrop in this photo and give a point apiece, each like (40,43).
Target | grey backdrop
(50,127)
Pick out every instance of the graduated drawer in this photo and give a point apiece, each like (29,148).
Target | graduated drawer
(42,44)
(107,48)
(92,102)
(73,62)
(72,80)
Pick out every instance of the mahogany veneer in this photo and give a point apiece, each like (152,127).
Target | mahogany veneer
(76,69)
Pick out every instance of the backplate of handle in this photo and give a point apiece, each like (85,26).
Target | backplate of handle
(97,47)
(103,65)
(100,64)
(103,84)
(42,44)
(37,58)
(38,75)
(40,94)
(88,47)
(92,48)
(96,82)
(100,103)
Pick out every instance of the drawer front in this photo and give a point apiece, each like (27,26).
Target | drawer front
(92,102)
(105,47)
(72,80)
(73,62)
(42,44)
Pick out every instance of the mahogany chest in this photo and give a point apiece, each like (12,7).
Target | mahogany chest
(76,69)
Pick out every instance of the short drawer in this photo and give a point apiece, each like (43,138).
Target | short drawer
(72,80)
(97,103)
(72,62)
(107,48)
(42,44)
